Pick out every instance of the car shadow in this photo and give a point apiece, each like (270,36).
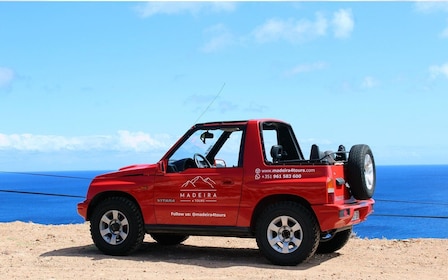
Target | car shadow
(204,256)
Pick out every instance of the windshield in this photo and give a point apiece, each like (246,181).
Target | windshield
(221,145)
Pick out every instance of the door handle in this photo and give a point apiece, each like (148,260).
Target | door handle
(227,182)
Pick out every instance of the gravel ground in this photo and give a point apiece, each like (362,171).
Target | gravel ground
(33,251)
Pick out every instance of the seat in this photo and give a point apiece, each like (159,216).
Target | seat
(315,154)
(276,153)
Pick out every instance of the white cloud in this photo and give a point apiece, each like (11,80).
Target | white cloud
(222,6)
(139,141)
(369,82)
(304,68)
(437,70)
(291,30)
(300,30)
(6,76)
(175,8)
(221,37)
(343,23)
(122,141)
(431,6)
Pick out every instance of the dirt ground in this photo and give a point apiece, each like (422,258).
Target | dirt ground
(33,251)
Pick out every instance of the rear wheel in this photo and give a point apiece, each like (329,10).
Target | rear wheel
(332,242)
(361,173)
(116,226)
(287,233)
(169,238)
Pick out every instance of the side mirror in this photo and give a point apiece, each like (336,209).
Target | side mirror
(219,163)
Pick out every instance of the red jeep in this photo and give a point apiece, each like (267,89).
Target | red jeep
(236,179)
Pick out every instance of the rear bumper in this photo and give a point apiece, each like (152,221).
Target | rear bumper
(334,216)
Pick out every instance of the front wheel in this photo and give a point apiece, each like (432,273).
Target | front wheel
(287,233)
(116,226)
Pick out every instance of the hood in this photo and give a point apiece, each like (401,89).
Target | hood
(137,167)
(132,170)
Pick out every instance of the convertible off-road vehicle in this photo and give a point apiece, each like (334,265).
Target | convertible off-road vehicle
(236,179)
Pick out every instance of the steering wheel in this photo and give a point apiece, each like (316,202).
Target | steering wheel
(201,161)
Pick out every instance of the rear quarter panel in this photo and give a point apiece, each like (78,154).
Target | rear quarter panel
(305,182)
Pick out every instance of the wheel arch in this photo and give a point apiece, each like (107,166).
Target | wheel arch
(265,202)
(104,195)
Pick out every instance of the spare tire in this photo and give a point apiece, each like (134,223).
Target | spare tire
(361,173)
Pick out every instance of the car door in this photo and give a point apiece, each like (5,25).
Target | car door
(198,196)
(194,191)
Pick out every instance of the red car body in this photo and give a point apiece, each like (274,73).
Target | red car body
(180,196)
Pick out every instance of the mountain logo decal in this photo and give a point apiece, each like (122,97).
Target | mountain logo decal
(199,183)
(198,190)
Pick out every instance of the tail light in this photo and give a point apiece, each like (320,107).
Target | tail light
(330,191)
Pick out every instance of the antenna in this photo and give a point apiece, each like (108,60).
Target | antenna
(209,105)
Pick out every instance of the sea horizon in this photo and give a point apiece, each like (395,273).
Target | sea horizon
(411,200)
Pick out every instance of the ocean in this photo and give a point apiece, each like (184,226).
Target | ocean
(411,201)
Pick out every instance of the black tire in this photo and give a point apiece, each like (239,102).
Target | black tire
(169,239)
(116,226)
(295,229)
(361,173)
(332,242)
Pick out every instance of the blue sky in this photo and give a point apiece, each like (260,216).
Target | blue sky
(101,85)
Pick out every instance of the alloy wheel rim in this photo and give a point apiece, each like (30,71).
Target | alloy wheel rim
(114,227)
(368,171)
(284,234)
